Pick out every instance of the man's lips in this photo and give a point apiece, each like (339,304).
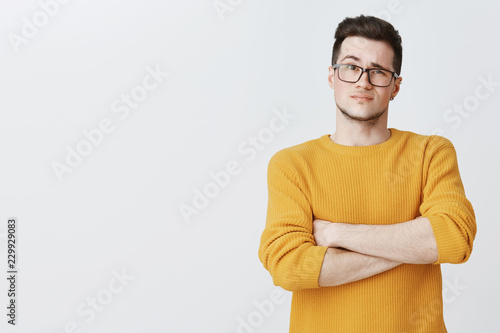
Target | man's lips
(361,97)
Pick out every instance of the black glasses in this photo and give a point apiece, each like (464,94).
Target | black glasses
(376,76)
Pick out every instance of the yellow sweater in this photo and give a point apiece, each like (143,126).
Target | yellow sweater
(407,176)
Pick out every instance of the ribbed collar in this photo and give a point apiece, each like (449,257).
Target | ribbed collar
(360,150)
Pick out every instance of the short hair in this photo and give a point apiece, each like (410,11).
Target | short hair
(373,28)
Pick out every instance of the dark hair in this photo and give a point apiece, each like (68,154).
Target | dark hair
(372,28)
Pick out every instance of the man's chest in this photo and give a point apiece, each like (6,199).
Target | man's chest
(367,191)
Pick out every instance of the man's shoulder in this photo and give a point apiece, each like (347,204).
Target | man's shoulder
(303,148)
(299,153)
(427,141)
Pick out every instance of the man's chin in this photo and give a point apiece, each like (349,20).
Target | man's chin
(361,115)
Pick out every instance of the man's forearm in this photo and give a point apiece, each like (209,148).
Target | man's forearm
(409,242)
(343,266)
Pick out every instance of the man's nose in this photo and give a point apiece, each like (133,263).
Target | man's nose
(364,81)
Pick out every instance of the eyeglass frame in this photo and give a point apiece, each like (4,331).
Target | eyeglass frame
(367,70)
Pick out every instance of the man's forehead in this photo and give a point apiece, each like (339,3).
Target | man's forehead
(367,50)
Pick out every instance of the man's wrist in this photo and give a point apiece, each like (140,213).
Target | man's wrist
(334,235)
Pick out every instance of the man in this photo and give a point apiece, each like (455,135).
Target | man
(359,221)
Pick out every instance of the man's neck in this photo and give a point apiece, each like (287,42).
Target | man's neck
(358,135)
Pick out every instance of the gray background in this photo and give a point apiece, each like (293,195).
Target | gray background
(228,73)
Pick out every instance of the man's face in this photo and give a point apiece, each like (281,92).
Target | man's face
(361,101)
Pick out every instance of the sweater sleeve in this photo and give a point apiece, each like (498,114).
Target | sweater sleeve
(287,247)
(445,205)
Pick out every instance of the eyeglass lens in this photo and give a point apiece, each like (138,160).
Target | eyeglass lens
(377,77)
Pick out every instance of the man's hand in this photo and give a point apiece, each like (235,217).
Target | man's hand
(323,232)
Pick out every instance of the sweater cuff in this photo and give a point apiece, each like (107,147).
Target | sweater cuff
(446,240)
(311,267)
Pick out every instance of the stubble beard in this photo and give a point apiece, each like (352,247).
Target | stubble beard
(370,120)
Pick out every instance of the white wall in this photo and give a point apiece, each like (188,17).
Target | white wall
(220,80)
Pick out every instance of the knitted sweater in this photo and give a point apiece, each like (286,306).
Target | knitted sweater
(407,176)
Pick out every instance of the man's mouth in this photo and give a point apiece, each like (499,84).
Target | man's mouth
(362,97)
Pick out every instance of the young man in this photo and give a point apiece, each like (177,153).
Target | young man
(359,221)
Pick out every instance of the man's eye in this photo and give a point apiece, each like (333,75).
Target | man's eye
(352,67)
(379,72)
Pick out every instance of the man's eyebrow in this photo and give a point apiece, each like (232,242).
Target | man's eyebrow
(376,65)
(351,57)
(373,64)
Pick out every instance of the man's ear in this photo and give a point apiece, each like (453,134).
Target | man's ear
(397,87)
(331,77)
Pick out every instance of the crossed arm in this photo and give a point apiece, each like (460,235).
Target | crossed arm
(358,251)
(300,253)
